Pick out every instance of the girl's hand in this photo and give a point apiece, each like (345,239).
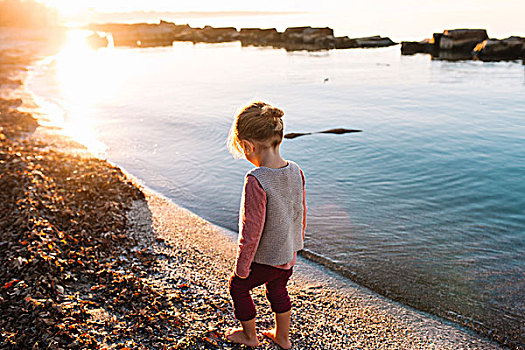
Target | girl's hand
(236,275)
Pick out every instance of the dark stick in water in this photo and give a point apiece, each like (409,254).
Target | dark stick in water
(338,131)
(293,135)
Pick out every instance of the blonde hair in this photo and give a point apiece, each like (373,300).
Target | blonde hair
(257,121)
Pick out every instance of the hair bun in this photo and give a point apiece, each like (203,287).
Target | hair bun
(272,112)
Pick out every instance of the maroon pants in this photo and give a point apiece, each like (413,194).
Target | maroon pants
(275,280)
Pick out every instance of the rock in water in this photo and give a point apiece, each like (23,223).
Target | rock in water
(339,131)
(305,34)
(219,35)
(462,39)
(413,47)
(141,34)
(374,41)
(292,39)
(344,42)
(467,44)
(257,36)
(308,38)
(511,48)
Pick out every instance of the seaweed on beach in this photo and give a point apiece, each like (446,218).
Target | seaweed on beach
(72,275)
(69,277)
(14,123)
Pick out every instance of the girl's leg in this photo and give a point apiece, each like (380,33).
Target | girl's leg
(277,294)
(281,333)
(246,335)
(243,306)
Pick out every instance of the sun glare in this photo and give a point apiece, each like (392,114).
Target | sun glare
(86,78)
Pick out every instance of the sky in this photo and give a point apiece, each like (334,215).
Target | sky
(69,6)
(402,17)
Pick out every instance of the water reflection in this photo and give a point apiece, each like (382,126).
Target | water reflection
(84,79)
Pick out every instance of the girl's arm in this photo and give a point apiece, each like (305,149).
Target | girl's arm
(251,224)
(305,208)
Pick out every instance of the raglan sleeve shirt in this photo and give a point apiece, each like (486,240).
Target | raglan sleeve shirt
(251,225)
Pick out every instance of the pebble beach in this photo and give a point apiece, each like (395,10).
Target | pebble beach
(91,259)
(329,312)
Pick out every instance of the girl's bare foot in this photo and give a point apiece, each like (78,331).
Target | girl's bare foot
(282,342)
(237,335)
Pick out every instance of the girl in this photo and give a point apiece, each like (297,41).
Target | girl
(272,222)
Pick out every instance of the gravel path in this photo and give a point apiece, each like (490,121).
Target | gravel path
(329,312)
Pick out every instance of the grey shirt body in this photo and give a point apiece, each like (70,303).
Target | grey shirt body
(283,228)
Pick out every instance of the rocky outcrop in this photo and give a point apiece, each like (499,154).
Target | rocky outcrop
(207,34)
(323,38)
(374,41)
(293,38)
(467,44)
(258,36)
(455,42)
(511,48)
(329,42)
(219,35)
(413,47)
(366,42)
(307,38)
(461,39)
(306,35)
(186,33)
(140,34)
(344,42)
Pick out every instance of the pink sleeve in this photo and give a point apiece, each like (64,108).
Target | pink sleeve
(304,204)
(251,224)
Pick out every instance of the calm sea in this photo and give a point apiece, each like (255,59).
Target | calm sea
(425,206)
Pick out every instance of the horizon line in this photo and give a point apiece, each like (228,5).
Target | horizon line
(205,13)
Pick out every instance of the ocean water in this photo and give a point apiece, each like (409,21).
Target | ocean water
(425,206)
